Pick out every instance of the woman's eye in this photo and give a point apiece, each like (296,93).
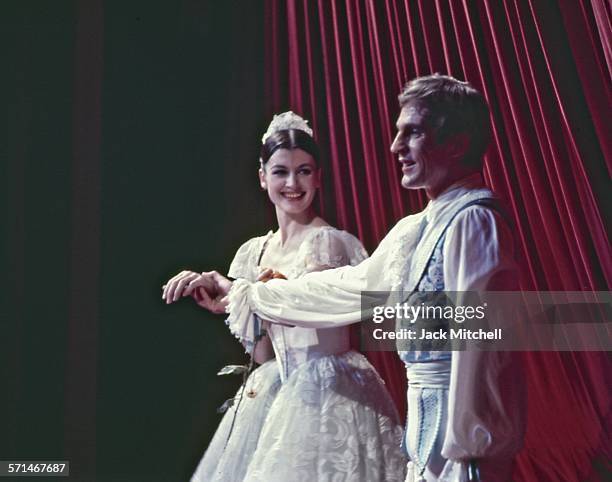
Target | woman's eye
(306,172)
(279,173)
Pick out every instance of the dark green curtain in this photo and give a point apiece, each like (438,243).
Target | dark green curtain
(130,152)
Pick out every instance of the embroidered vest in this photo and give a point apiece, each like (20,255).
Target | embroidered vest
(430,276)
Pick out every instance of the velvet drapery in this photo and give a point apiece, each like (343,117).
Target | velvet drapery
(544,67)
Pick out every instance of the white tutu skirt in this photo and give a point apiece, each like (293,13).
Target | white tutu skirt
(332,420)
(222,463)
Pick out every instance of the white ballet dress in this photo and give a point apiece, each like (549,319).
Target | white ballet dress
(319,411)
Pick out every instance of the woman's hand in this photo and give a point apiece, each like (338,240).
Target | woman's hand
(208,289)
(268,273)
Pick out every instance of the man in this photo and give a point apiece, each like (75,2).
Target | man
(460,242)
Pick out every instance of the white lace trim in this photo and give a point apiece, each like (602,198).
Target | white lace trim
(242,265)
(327,247)
(240,319)
(397,249)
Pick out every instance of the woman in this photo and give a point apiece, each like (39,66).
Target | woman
(330,417)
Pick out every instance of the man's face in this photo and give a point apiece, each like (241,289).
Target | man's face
(425,163)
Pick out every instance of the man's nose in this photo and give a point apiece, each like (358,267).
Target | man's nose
(396,145)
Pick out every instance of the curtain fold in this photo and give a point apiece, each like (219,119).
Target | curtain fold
(544,67)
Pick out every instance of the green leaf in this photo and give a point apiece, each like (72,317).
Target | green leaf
(233,370)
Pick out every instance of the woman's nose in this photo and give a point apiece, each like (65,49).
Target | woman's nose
(291,180)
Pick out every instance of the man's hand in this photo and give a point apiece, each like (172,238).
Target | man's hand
(208,289)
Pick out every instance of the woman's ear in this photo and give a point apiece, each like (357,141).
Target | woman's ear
(262,178)
(318,177)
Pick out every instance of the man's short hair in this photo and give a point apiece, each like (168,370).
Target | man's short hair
(455,107)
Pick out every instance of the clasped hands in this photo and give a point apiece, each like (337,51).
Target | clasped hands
(208,289)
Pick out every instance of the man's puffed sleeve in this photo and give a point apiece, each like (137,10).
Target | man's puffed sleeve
(486,409)
(479,252)
(323,299)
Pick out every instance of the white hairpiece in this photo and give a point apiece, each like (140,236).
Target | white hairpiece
(284,121)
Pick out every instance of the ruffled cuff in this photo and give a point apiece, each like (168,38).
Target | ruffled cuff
(242,322)
(470,439)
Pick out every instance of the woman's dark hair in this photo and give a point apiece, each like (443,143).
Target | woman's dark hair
(289,139)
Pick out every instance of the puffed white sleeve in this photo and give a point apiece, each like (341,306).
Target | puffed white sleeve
(244,260)
(479,252)
(486,412)
(243,267)
(332,248)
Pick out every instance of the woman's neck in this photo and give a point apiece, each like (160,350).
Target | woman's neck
(293,225)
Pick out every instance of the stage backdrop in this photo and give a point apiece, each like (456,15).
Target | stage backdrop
(544,67)
(131,133)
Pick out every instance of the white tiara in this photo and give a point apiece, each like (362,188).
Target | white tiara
(284,121)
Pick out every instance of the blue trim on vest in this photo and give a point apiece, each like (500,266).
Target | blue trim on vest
(432,279)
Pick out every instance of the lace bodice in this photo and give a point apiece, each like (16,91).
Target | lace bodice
(322,248)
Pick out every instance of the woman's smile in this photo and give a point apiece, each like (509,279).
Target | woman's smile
(293,196)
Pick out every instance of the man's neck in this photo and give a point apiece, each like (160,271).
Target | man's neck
(453,183)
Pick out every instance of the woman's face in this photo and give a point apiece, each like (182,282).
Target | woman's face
(291,177)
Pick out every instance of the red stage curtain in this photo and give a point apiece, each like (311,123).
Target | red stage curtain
(545,70)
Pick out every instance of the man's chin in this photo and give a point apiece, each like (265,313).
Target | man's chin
(409,183)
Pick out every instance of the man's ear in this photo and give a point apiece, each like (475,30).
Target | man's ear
(458,145)
(262,178)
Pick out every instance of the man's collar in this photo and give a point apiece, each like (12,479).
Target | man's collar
(454,191)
